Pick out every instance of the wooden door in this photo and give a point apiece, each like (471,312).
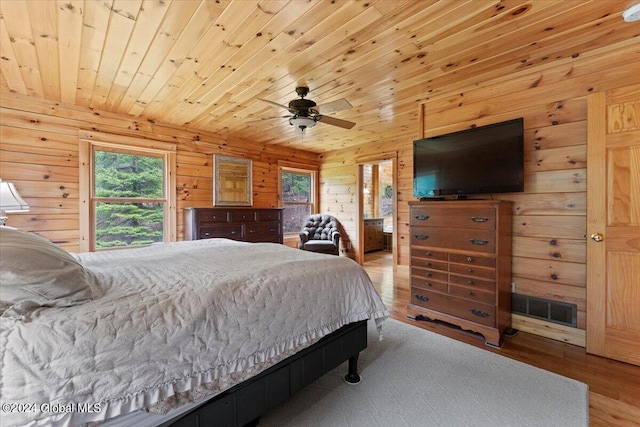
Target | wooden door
(613,224)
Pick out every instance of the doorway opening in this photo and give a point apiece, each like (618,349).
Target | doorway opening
(377,210)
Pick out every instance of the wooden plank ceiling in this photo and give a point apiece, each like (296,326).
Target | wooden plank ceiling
(205,64)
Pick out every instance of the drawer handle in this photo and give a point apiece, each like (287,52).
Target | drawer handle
(252,231)
(427,254)
(469,270)
(470,282)
(469,293)
(422,217)
(428,264)
(272,230)
(234,232)
(479,241)
(421,297)
(429,284)
(428,274)
(207,234)
(421,236)
(479,219)
(469,259)
(479,313)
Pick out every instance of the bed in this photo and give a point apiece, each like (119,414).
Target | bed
(144,336)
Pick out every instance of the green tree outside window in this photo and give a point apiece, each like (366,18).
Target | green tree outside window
(129,193)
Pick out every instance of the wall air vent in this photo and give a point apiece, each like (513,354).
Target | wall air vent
(545,309)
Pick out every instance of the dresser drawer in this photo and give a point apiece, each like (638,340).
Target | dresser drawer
(473,270)
(474,311)
(267,215)
(430,264)
(428,254)
(472,282)
(476,218)
(473,294)
(212,216)
(429,284)
(262,232)
(454,238)
(429,274)
(229,231)
(471,260)
(242,216)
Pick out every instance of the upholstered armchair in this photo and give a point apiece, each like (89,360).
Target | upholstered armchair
(321,234)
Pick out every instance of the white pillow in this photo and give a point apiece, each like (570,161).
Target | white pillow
(36,273)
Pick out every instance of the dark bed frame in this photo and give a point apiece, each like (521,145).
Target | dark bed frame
(245,403)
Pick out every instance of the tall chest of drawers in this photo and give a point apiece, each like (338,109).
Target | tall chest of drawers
(461,264)
(244,224)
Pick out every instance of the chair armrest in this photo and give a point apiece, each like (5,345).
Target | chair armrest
(304,237)
(335,238)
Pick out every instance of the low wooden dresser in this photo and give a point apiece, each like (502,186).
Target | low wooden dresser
(373,234)
(244,224)
(461,264)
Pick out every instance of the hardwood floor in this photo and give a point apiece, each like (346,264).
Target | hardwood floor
(614,387)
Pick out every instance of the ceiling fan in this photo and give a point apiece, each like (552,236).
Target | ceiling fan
(305,113)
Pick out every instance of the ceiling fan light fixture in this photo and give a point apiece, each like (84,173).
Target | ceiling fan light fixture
(302,122)
(632,13)
(305,113)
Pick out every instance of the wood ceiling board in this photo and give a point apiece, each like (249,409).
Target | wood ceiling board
(162,62)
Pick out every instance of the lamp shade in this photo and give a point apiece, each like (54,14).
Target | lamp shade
(10,200)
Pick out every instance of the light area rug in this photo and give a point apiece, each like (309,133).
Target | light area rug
(414,377)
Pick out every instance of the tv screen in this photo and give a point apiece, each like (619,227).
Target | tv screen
(481,160)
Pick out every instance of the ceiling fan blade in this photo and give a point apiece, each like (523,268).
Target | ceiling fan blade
(335,122)
(333,106)
(277,105)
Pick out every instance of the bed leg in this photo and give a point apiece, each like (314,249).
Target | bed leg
(352,376)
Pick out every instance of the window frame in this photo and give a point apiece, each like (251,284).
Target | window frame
(95,141)
(300,169)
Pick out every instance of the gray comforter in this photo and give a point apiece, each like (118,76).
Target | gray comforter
(176,322)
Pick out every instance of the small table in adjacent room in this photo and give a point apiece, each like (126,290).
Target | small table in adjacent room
(388,240)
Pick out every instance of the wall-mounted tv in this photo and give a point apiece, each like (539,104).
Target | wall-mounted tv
(480,160)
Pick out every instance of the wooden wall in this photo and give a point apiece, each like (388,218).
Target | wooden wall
(39,153)
(368,200)
(550,216)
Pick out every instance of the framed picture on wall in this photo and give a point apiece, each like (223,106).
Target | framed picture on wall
(232,180)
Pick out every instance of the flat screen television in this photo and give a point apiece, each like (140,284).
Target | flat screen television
(481,160)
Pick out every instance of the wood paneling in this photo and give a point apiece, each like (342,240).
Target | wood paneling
(39,153)
(204,64)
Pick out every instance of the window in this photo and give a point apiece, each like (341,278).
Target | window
(298,197)
(127,189)
(128,199)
